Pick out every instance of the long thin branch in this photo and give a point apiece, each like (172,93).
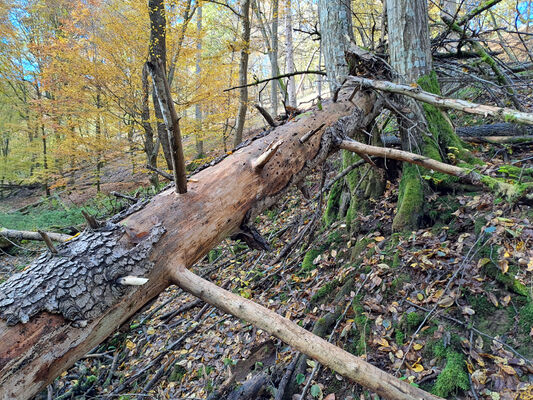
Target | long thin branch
(255,83)
(28,235)
(342,362)
(455,104)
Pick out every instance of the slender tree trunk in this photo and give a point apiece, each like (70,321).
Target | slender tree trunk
(150,148)
(98,135)
(289,45)
(158,51)
(243,72)
(198,109)
(45,162)
(274,58)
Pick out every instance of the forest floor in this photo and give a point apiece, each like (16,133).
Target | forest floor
(448,307)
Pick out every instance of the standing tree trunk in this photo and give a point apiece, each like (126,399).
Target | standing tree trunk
(198,108)
(424,129)
(158,51)
(273,54)
(335,23)
(243,72)
(291,85)
(150,148)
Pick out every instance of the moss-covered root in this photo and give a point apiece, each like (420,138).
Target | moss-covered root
(410,200)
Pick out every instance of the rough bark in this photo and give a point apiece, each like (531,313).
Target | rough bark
(215,206)
(289,47)
(335,25)
(243,72)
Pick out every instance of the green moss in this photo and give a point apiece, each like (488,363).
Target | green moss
(399,338)
(359,249)
(453,377)
(360,328)
(307,263)
(213,255)
(413,320)
(507,279)
(481,305)
(526,317)
(332,207)
(410,199)
(324,291)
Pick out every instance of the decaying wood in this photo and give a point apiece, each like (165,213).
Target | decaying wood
(29,235)
(59,291)
(455,104)
(498,129)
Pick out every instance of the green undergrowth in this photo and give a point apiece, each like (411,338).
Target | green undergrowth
(53,215)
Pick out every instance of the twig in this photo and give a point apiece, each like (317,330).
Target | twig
(286,377)
(164,174)
(306,137)
(123,196)
(48,242)
(268,118)
(276,77)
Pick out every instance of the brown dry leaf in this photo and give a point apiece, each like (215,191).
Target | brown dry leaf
(504,266)
(467,310)
(330,396)
(507,369)
(493,299)
(446,301)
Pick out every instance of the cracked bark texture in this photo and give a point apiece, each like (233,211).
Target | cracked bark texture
(80,282)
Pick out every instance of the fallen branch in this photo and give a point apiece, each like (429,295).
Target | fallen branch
(319,349)
(455,104)
(268,118)
(29,235)
(469,175)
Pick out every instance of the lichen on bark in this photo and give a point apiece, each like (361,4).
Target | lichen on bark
(79,282)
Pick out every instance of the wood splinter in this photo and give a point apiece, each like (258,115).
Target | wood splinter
(306,137)
(130,280)
(261,161)
(48,242)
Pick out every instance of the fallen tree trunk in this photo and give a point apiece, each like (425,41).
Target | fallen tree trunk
(64,305)
(29,235)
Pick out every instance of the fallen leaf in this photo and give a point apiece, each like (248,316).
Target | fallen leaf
(417,346)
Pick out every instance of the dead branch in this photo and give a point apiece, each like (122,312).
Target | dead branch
(258,82)
(319,349)
(455,104)
(28,235)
